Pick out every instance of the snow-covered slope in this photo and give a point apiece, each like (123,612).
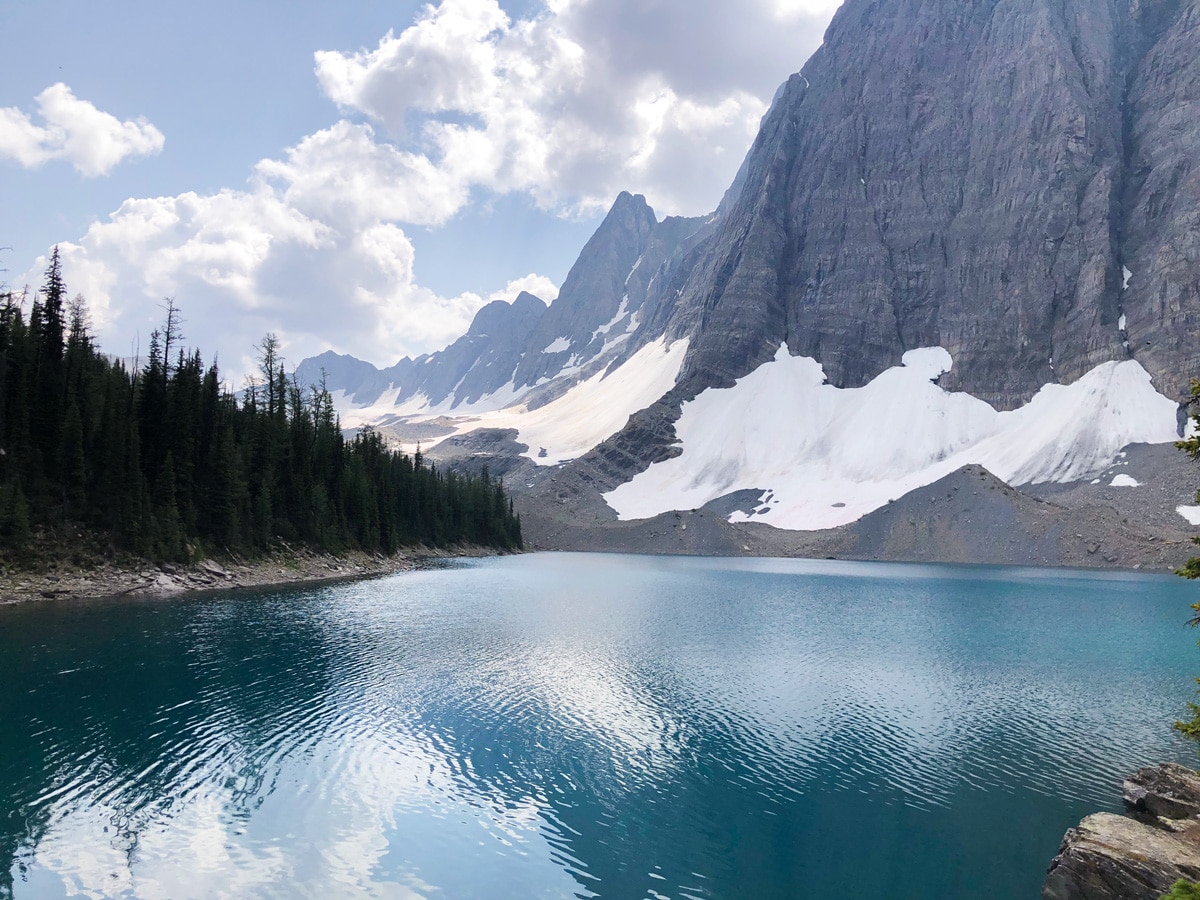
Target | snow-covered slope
(856,230)
(513,349)
(590,412)
(826,456)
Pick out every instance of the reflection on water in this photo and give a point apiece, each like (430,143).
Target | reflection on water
(563,725)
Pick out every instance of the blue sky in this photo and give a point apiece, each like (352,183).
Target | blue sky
(364,176)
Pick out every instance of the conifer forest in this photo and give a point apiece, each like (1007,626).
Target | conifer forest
(162,460)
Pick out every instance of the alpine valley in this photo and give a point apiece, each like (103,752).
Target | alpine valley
(948,310)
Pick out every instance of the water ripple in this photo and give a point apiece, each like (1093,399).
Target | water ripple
(582,726)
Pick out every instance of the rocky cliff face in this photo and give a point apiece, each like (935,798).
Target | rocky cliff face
(1135,857)
(1016,181)
(511,348)
(1160,235)
(974,174)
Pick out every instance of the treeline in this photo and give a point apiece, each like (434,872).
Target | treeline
(169,464)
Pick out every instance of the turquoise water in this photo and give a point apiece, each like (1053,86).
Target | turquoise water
(573,725)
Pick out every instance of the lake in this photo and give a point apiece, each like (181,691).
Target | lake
(566,725)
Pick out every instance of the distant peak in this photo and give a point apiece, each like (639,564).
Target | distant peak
(629,211)
(526,299)
(332,355)
(499,314)
(627,201)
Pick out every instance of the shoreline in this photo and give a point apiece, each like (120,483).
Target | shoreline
(134,577)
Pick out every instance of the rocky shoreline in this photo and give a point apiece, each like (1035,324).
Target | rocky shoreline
(136,577)
(1138,856)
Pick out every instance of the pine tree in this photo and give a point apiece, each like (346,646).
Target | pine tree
(49,376)
(14,515)
(164,459)
(170,532)
(72,464)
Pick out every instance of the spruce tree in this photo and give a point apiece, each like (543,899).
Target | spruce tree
(164,458)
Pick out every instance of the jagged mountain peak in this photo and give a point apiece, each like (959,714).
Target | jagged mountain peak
(527,303)
(500,314)
(513,349)
(958,174)
(1014,185)
(629,205)
(593,291)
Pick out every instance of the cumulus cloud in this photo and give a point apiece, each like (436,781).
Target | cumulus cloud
(93,141)
(583,101)
(343,174)
(568,107)
(309,250)
(538,285)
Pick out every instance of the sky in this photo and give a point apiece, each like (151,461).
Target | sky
(360,177)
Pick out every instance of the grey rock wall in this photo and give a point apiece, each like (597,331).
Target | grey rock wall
(1135,857)
(972,174)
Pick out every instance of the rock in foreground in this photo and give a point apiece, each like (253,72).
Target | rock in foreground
(1111,857)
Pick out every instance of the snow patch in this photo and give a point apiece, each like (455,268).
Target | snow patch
(388,408)
(1121,322)
(817,445)
(1191,513)
(929,362)
(1125,276)
(505,395)
(593,410)
(356,415)
(622,311)
(1125,481)
(559,345)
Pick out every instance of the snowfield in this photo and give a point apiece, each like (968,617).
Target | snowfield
(822,456)
(564,429)
(593,410)
(826,456)
(389,408)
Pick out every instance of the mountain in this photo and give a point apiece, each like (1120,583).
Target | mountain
(512,348)
(972,175)
(967,233)
(478,363)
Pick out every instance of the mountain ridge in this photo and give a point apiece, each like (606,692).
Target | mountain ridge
(1016,183)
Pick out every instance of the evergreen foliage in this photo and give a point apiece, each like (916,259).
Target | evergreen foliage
(1183,890)
(1191,568)
(171,465)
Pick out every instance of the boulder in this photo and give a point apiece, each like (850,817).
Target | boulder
(213,568)
(164,584)
(1168,791)
(1136,857)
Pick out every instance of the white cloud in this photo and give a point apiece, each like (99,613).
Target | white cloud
(311,249)
(343,174)
(538,285)
(94,142)
(568,107)
(813,9)
(583,101)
